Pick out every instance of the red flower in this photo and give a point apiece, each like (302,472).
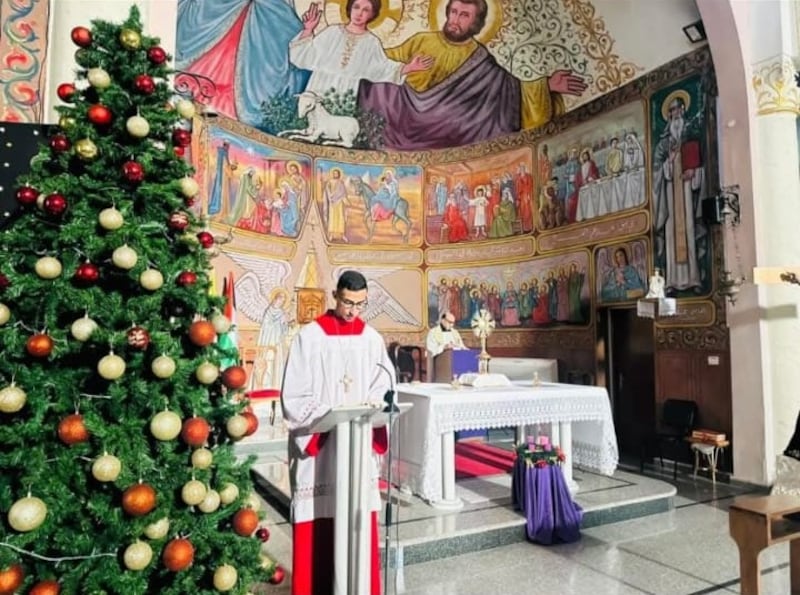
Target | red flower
(540,463)
(562,457)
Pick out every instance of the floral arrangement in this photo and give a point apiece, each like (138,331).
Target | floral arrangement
(540,453)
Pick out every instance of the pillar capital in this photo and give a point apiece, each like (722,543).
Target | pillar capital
(775,86)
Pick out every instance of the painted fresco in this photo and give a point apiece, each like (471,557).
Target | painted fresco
(253,187)
(621,272)
(365,204)
(682,248)
(592,170)
(488,198)
(544,292)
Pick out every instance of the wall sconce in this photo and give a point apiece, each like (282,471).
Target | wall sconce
(722,208)
(729,286)
(695,32)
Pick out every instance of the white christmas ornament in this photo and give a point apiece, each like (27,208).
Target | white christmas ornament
(106,468)
(207,373)
(228,493)
(189,187)
(5,314)
(163,366)
(83,328)
(48,267)
(151,279)
(111,366)
(193,492)
(137,555)
(211,502)
(98,78)
(26,514)
(157,530)
(221,323)
(110,219)
(236,426)
(137,126)
(165,425)
(12,399)
(202,458)
(253,501)
(124,257)
(185,108)
(225,578)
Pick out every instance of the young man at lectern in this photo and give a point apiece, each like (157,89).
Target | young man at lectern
(443,336)
(335,360)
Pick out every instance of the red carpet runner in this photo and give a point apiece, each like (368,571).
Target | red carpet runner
(476,459)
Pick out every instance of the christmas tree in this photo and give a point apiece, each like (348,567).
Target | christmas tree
(117,421)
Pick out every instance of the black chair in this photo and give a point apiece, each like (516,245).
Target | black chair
(403,361)
(678,418)
(418,359)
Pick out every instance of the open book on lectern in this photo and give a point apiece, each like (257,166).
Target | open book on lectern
(346,413)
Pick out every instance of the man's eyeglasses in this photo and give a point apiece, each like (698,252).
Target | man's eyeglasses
(352,304)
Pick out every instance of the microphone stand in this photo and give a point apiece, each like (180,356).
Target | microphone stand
(391,409)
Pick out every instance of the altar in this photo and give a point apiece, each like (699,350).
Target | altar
(423,459)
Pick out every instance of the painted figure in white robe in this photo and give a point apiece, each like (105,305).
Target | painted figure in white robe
(335,195)
(270,346)
(336,360)
(341,55)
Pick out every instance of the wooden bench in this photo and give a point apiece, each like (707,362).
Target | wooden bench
(757,522)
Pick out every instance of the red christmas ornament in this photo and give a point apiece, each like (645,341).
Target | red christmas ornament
(181,137)
(189,201)
(178,221)
(157,55)
(252,422)
(4,282)
(144,84)
(27,195)
(65,92)
(234,377)
(81,36)
(87,272)
(99,115)
(278,575)
(195,431)
(60,143)
(45,588)
(72,430)
(55,204)
(206,239)
(138,338)
(11,578)
(263,534)
(187,278)
(180,151)
(202,332)
(178,555)
(245,522)
(39,345)
(133,172)
(139,499)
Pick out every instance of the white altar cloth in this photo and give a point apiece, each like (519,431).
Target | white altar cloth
(425,460)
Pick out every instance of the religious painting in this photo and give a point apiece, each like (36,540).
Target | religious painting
(488,198)
(592,170)
(678,123)
(253,187)
(542,293)
(370,204)
(621,272)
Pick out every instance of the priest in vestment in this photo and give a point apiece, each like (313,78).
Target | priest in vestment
(465,96)
(335,360)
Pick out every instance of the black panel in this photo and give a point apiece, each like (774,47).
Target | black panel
(18,144)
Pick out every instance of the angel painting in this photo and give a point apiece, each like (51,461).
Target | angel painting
(622,278)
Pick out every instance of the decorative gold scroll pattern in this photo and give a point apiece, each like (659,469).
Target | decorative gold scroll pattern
(776,88)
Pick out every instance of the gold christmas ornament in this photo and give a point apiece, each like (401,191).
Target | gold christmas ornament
(211,502)
(98,78)
(5,314)
(202,458)
(193,492)
(151,279)
(225,578)
(106,468)
(83,328)
(163,367)
(66,122)
(221,323)
(130,39)
(185,108)
(157,530)
(26,514)
(189,187)
(110,219)
(228,493)
(125,257)
(165,425)
(207,373)
(86,149)
(12,399)
(236,426)
(253,501)
(111,366)
(137,555)
(137,126)
(48,267)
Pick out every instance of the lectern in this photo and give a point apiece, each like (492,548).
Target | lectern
(454,362)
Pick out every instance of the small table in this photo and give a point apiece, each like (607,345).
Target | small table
(711,451)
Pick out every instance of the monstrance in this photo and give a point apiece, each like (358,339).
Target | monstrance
(482,325)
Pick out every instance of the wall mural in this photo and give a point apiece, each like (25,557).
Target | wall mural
(479,199)
(682,249)
(592,170)
(365,204)
(621,272)
(544,292)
